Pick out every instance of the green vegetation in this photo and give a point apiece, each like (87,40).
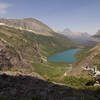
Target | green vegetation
(51,70)
(96,61)
(35,49)
(23,39)
(78,82)
(80,55)
(92,52)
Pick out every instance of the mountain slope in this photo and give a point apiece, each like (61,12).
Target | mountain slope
(89,57)
(23,47)
(29,24)
(78,37)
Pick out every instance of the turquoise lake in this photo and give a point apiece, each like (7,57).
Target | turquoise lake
(66,56)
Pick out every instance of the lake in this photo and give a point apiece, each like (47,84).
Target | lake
(66,56)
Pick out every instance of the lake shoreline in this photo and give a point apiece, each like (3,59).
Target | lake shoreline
(67,56)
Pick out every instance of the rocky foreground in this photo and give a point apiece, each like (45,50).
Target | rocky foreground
(18,86)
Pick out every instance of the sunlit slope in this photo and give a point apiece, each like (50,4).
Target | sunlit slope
(88,57)
(30,47)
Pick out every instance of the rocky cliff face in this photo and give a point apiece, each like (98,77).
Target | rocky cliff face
(11,58)
(4,57)
(28,24)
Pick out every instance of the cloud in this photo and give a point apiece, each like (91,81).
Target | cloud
(3,8)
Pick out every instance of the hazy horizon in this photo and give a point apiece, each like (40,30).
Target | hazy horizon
(77,15)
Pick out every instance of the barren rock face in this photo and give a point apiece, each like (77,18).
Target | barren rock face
(4,57)
(8,59)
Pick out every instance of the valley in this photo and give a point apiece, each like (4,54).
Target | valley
(28,52)
(42,56)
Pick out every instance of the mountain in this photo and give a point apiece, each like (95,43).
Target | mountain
(25,73)
(29,24)
(21,47)
(78,37)
(95,38)
(88,57)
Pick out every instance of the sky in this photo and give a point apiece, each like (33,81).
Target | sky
(77,15)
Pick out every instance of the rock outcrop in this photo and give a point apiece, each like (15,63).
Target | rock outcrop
(8,58)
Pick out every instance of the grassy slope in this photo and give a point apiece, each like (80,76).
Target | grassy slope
(80,83)
(51,70)
(88,56)
(26,43)
(48,44)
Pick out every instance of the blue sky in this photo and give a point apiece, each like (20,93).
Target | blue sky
(78,15)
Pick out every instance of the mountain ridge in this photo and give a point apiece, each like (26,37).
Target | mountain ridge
(78,37)
(95,38)
(29,24)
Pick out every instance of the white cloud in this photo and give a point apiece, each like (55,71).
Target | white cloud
(3,8)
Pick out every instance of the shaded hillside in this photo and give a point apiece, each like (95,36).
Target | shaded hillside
(17,86)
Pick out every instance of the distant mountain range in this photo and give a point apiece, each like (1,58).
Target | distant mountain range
(96,37)
(78,37)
